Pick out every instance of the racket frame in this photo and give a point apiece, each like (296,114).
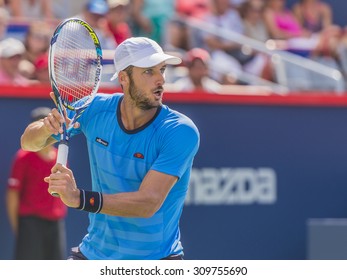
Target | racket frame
(63,147)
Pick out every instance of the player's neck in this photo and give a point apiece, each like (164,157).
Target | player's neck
(133,117)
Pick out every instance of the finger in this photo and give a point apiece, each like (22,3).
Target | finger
(57,168)
(54,185)
(60,171)
(65,114)
(52,95)
(59,120)
(55,178)
(54,190)
(52,122)
(55,113)
(61,181)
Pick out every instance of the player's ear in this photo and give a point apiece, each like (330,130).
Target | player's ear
(123,78)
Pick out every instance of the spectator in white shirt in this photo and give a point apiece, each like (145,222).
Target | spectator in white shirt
(197,79)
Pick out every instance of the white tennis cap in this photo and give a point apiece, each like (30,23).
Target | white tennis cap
(140,52)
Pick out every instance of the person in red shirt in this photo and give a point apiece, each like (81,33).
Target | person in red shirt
(41,74)
(116,18)
(36,217)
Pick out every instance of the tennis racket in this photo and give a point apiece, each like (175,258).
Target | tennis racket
(75,66)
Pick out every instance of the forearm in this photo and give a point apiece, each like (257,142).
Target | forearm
(36,136)
(144,202)
(126,204)
(217,44)
(12,205)
(13,219)
(130,204)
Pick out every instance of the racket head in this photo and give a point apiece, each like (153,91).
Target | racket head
(75,64)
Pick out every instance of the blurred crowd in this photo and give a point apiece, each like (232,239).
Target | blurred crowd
(211,61)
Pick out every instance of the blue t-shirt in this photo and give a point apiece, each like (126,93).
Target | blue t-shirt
(119,161)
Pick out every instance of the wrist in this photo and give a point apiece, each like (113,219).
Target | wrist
(90,201)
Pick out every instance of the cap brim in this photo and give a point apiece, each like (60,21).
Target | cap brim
(156,59)
(152,60)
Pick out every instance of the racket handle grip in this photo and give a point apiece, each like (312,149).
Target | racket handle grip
(63,150)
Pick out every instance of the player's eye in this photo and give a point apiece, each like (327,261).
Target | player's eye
(148,71)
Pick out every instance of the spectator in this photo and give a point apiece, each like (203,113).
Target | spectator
(41,74)
(31,9)
(181,37)
(237,3)
(313,15)
(94,13)
(197,79)
(192,8)
(325,41)
(316,17)
(228,55)
(280,21)
(4,20)
(197,62)
(11,54)
(251,12)
(117,17)
(285,28)
(36,217)
(150,18)
(36,41)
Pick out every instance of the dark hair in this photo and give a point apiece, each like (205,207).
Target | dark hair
(129,70)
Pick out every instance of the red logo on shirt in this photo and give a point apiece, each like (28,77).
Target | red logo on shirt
(92,201)
(139,155)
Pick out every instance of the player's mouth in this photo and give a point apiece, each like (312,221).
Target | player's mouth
(158,92)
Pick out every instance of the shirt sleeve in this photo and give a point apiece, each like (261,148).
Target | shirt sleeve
(17,173)
(179,146)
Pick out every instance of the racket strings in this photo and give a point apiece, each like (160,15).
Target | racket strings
(75,63)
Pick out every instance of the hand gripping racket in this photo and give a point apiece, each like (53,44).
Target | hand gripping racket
(75,65)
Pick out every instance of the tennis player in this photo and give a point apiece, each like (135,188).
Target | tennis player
(141,154)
